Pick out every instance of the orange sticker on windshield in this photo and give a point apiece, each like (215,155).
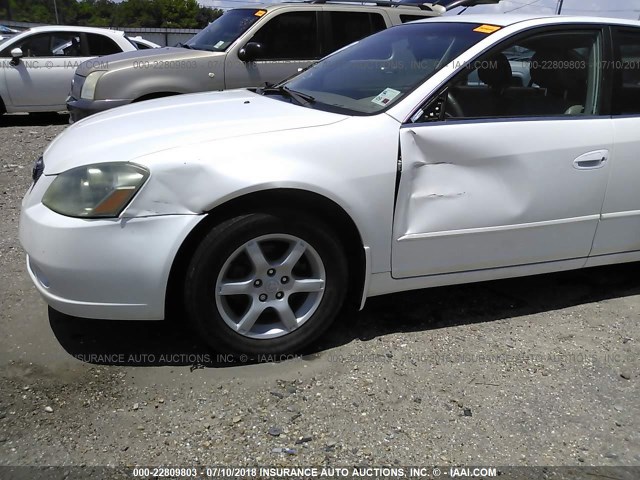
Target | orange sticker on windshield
(260,13)
(487,29)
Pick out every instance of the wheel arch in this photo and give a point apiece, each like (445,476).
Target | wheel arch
(278,199)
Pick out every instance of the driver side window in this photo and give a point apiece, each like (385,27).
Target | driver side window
(67,44)
(547,74)
(289,36)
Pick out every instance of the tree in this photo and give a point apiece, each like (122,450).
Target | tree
(178,13)
(138,13)
(207,15)
(105,13)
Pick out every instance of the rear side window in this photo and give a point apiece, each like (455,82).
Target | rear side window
(101,45)
(411,18)
(289,36)
(626,91)
(348,27)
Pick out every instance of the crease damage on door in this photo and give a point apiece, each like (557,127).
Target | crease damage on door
(442,195)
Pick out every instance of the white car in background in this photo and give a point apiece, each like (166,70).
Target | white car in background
(382,168)
(38,64)
(7,32)
(142,43)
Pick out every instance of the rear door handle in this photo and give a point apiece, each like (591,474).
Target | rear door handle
(591,160)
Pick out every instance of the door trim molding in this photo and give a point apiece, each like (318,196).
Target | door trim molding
(421,236)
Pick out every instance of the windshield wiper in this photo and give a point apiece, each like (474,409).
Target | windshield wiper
(301,98)
(184,45)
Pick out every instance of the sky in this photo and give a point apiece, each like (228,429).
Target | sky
(608,8)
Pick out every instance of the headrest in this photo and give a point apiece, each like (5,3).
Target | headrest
(553,70)
(496,71)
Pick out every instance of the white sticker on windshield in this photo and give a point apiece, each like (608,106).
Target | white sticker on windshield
(219,44)
(386,96)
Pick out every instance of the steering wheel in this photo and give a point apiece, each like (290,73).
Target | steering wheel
(453,108)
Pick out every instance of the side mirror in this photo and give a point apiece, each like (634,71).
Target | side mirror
(16,55)
(250,52)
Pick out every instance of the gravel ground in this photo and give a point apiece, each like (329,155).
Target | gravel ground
(535,371)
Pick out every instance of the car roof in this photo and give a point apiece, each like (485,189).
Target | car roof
(408,7)
(72,28)
(505,20)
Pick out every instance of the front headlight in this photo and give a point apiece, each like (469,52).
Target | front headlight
(89,87)
(102,190)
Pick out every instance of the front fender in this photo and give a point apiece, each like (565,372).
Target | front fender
(352,163)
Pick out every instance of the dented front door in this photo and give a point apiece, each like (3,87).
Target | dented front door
(484,194)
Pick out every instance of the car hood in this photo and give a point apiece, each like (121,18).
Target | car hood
(139,129)
(137,58)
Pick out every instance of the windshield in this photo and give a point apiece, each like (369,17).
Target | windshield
(224,30)
(376,72)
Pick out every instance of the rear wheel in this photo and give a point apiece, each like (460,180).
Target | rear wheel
(266,283)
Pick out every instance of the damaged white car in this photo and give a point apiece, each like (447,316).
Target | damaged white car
(380,169)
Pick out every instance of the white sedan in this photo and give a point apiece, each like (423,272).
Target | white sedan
(38,64)
(142,43)
(382,168)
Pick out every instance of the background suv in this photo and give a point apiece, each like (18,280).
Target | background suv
(245,47)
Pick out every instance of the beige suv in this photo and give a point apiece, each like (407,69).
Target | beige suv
(245,47)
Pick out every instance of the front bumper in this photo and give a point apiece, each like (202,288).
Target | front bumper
(79,109)
(106,269)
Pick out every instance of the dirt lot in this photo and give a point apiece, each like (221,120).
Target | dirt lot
(535,371)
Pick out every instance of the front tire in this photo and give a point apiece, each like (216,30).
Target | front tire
(266,283)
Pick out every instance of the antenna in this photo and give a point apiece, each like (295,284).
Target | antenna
(560,2)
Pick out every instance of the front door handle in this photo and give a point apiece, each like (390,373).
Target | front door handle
(591,160)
